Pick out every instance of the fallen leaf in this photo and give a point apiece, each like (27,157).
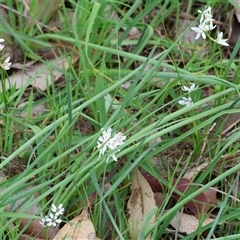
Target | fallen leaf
(211,195)
(35,111)
(192,172)
(27,237)
(234,30)
(237,11)
(36,229)
(80,227)
(155,185)
(43,74)
(140,203)
(188,224)
(159,198)
(227,123)
(199,204)
(43,9)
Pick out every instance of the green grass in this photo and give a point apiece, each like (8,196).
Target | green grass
(54,155)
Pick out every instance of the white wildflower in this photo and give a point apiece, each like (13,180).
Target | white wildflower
(220,39)
(50,221)
(113,156)
(53,219)
(207,26)
(185,101)
(46,222)
(57,210)
(199,32)
(206,16)
(1,45)
(6,64)
(206,23)
(108,142)
(189,89)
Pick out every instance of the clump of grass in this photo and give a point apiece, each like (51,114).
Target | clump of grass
(55,155)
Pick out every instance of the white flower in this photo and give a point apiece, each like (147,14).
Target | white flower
(103,141)
(116,140)
(6,64)
(189,89)
(206,23)
(199,32)
(1,45)
(206,16)
(108,142)
(207,26)
(44,221)
(50,221)
(220,39)
(57,210)
(185,101)
(53,219)
(113,156)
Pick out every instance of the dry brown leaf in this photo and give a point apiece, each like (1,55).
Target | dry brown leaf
(35,111)
(27,237)
(80,227)
(237,12)
(44,75)
(159,198)
(45,9)
(140,203)
(186,223)
(199,204)
(211,194)
(36,229)
(192,172)
(234,30)
(5,15)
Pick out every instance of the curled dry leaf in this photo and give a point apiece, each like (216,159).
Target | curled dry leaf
(45,8)
(140,203)
(43,75)
(192,172)
(237,12)
(80,227)
(234,30)
(211,195)
(27,237)
(35,111)
(199,204)
(159,198)
(188,224)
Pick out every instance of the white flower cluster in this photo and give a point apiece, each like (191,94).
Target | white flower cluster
(206,25)
(109,142)
(6,64)
(53,219)
(187,101)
